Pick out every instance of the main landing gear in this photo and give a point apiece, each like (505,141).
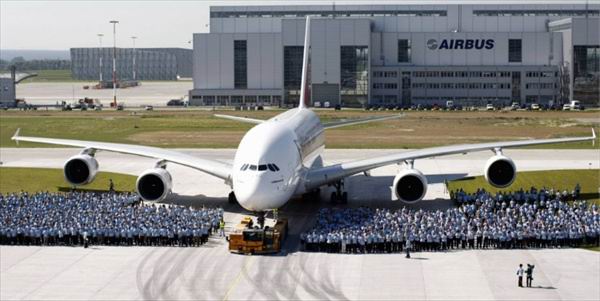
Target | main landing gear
(339,196)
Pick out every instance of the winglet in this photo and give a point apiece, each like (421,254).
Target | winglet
(305,72)
(16,136)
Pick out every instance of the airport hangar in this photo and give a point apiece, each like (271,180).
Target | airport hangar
(400,54)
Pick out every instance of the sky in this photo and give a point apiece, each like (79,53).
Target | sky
(60,25)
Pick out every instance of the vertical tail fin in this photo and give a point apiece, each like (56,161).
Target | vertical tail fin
(304,96)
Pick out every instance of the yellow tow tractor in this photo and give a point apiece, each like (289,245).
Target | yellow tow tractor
(246,239)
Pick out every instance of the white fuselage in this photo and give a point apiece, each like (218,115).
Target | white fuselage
(273,156)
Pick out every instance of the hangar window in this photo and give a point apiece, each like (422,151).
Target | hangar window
(240,74)
(514,50)
(403,51)
(292,67)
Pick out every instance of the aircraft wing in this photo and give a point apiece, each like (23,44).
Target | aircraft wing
(240,119)
(216,168)
(330,174)
(348,122)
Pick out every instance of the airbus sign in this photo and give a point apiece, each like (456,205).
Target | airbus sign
(461,44)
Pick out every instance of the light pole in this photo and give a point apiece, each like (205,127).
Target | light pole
(133,39)
(114,59)
(101,53)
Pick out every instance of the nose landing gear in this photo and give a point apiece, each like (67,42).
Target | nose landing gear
(231,198)
(339,196)
(260,219)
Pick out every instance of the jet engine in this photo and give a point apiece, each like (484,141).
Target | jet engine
(80,169)
(410,186)
(154,184)
(500,171)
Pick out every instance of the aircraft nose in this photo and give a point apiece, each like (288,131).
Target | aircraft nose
(257,195)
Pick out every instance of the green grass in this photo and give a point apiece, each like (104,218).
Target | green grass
(15,179)
(558,179)
(50,76)
(597,249)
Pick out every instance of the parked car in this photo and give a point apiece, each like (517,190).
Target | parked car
(175,103)
(575,105)
(489,107)
(149,108)
(535,106)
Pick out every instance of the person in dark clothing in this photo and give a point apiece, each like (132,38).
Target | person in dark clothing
(111,185)
(529,273)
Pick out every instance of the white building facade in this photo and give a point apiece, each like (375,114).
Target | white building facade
(398,54)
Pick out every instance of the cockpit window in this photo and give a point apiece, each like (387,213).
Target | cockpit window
(262,167)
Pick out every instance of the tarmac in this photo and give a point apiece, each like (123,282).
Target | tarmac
(211,272)
(156,93)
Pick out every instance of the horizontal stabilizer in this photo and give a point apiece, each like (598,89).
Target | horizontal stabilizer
(341,123)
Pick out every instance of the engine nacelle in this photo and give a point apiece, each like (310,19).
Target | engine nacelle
(154,184)
(410,186)
(500,171)
(80,169)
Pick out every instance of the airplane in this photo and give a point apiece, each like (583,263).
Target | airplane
(280,158)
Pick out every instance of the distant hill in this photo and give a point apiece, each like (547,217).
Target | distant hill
(28,54)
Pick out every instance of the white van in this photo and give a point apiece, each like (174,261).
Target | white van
(575,105)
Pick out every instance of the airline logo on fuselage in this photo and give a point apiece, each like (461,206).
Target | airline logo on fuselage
(461,44)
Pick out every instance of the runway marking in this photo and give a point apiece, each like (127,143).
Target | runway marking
(247,264)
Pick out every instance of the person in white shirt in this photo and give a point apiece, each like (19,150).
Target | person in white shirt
(520,275)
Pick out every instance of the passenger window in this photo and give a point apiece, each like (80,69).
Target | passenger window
(262,167)
(252,167)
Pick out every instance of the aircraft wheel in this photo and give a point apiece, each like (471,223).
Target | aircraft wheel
(345,197)
(334,197)
(317,194)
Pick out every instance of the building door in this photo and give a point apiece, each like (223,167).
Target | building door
(516,86)
(406,92)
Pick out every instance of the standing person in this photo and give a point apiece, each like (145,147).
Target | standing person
(222,228)
(520,274)
(529,273)
(85,239)
(111,185)
(408,246)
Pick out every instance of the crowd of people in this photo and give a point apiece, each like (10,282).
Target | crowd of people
(533,194)
(524,219)
(117,219)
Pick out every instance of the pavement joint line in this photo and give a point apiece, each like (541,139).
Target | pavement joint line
(247,264)
(22,259)
(26,297)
